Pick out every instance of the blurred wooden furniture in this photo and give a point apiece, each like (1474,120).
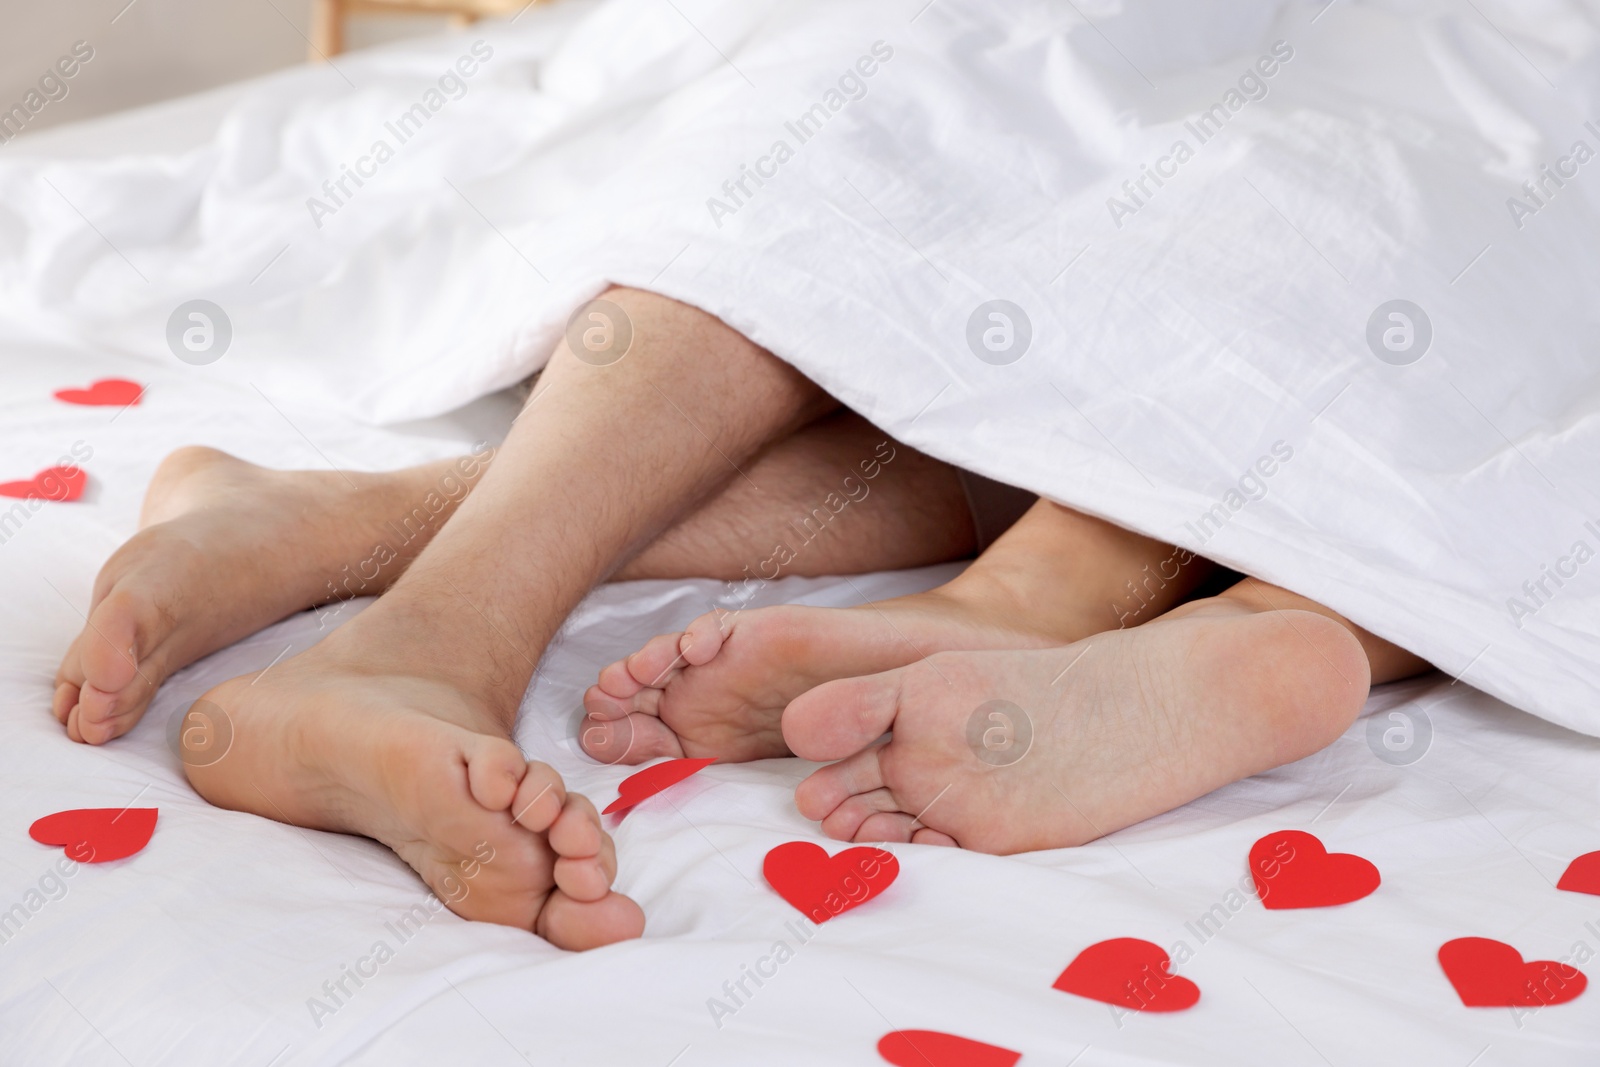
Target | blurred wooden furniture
(328,16)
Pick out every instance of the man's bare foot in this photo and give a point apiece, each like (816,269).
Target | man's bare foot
(322,740)
(720,687)
(396,725)
(1146,720)
(225,548)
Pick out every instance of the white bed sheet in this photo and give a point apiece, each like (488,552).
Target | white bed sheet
(206,947)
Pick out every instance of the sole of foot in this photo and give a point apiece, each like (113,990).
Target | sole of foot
(719,688)
(497,837)
(224,549)
(1091,738)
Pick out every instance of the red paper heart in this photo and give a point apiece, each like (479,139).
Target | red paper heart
(652,780)
(824,886)
(107,392)
(96,835)
(1130,973)
(930,1048)
(54,483)
(1582,875)
(1292,869)
(1492,974)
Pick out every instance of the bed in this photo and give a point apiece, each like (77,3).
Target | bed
(232,939)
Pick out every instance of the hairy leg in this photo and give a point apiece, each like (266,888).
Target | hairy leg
(720,687)
(857,499)
(1017,750)
(226,547)
(397,725)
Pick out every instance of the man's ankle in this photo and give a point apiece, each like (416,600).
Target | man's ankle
(441,639)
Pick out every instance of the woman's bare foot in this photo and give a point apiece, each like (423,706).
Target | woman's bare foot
(225,548)
(323,740)
(720,687)
(710,692)
(1091,738)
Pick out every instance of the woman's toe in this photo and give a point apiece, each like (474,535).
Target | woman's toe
(647,701)
(825,789)
(845,821)
(634,739)
(599,704)
(659,658)
(616,681)
(702,640)
(842,717)
(886,826)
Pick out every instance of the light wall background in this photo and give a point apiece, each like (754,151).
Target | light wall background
(158,49)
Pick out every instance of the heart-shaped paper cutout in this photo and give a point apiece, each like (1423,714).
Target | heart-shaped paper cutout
(1292,869)
(823,886)
(53,483)
(652,780)
(107,392)
(1491,974)
(1582,875)
(930,1048)
(1129,973)
(96,835)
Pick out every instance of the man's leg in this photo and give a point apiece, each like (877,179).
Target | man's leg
(720,687)
(1014,751)
(226,548)
(846,497)
(397,725)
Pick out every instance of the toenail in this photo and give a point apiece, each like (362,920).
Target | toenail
(518,816)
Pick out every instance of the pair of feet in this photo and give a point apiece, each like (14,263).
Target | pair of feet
(981,714)
(1093,733)
(348,736)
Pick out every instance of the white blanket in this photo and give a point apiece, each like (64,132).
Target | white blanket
(1197,208)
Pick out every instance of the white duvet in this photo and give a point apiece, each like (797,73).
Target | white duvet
(1192,211)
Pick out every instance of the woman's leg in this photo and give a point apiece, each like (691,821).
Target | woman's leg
(1018,750)
(1386,662)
